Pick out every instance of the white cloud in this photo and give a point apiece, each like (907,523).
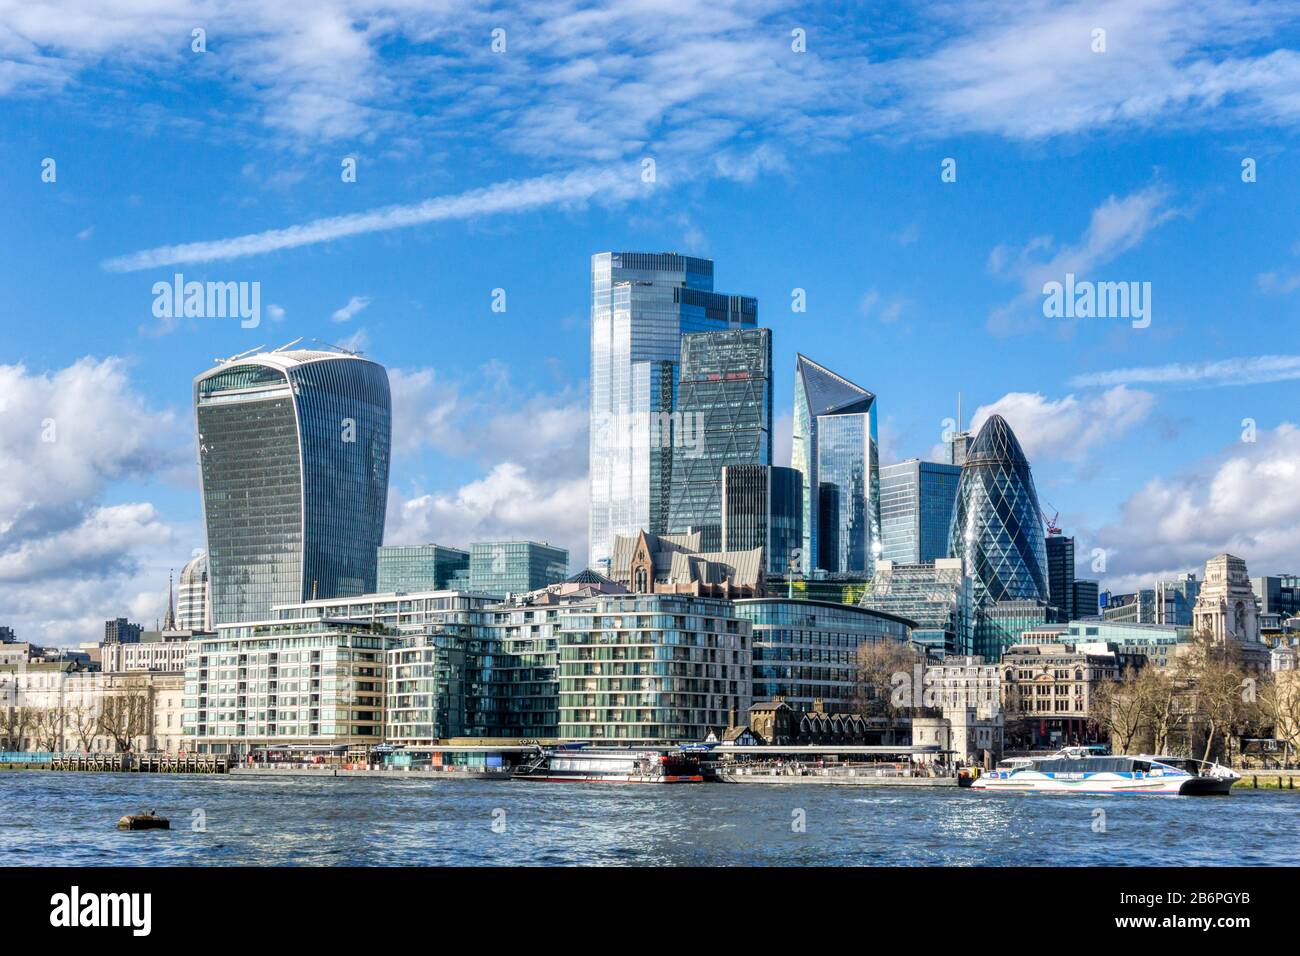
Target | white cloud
(1243,500)
(1115,227)
(1235,371)
(67,439)
(511,501)
(346,312)
(1069,428)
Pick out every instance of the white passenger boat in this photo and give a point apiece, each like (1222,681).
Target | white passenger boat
(594,765)
(1074,770)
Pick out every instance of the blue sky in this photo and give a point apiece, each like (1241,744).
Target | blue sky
(480,170)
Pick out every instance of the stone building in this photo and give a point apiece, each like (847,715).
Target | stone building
(647,563)
(1227,607)
(1047,690)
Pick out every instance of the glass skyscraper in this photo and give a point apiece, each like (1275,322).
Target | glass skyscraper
(761,509)
(723,417)
(997,528)
(641,304)
(293,461)
(1060,576)
(916,504)
(835,449)
(514,567)
(421,567)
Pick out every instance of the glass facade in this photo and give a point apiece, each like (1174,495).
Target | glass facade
(916,505)
(641,304)
(723,417)
(997,527)
(1001,624)
(1060,576)
(293,456)
(808,650)
(514,567)
(192,596)
(761,509)
(652,668)
(835,449)
(421,567)
(935,595)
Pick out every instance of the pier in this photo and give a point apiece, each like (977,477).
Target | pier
(117,762)
(925,765)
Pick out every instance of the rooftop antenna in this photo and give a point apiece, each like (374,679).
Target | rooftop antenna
(959,413)
(233,358)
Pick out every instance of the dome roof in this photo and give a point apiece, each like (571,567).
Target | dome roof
(195,570)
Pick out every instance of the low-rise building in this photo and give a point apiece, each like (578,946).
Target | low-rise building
(1048,690)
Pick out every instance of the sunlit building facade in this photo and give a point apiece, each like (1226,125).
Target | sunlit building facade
(420,567)
(641,304)
(916,504)
(293,460)
(835,449)
(192,608)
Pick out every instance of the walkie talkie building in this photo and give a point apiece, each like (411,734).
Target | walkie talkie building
(293,458)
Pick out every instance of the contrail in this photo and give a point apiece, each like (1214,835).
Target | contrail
(505,197)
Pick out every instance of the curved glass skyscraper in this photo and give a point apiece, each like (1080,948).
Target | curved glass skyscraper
(997,528)
(293,457)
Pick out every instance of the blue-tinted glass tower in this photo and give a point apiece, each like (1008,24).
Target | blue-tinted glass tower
(916,505)
(761,508)
(293,461)
(641,304)
(835,449)
(997,527)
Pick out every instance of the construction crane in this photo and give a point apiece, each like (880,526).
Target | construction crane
(1052,526)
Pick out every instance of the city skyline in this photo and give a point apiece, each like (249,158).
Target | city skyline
(1159,445)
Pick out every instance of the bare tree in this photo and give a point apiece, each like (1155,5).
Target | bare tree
(83,722)
(1117,708)
(1164,707)
(878,666)
(48,728)
(15,723)
(124,717)
(1279,702)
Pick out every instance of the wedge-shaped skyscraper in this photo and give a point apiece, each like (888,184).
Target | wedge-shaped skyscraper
(835,448)
(293,457)
(997,527)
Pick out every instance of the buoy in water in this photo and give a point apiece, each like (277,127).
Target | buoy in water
(144,821)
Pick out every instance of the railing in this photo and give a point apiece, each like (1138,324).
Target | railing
(127,762)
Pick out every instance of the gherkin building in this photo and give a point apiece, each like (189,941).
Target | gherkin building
(997,526)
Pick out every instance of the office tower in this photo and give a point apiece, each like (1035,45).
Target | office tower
(1085,599)
(641,304)
(1060,576)
(421,567)
(513,567)
(1278,594)
(934,595)
(293,457)
(997,527)
(957,442)
(723,417)
(835,450)
(192,606)
(916,504)
(762,508)
(121,631)
(805,651)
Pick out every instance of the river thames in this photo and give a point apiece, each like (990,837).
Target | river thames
(68,819)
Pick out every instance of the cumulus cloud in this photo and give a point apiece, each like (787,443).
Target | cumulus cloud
(67,438)
(349,311)
(1242,500)
(534,448)
(1068,428)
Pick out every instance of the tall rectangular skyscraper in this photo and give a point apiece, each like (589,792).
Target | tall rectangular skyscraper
(723,417)
(836,450)
(293,462)
(1060,576)
(916,503)
(761,509)
(641,304)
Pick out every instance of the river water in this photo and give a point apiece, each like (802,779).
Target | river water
(68,819)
